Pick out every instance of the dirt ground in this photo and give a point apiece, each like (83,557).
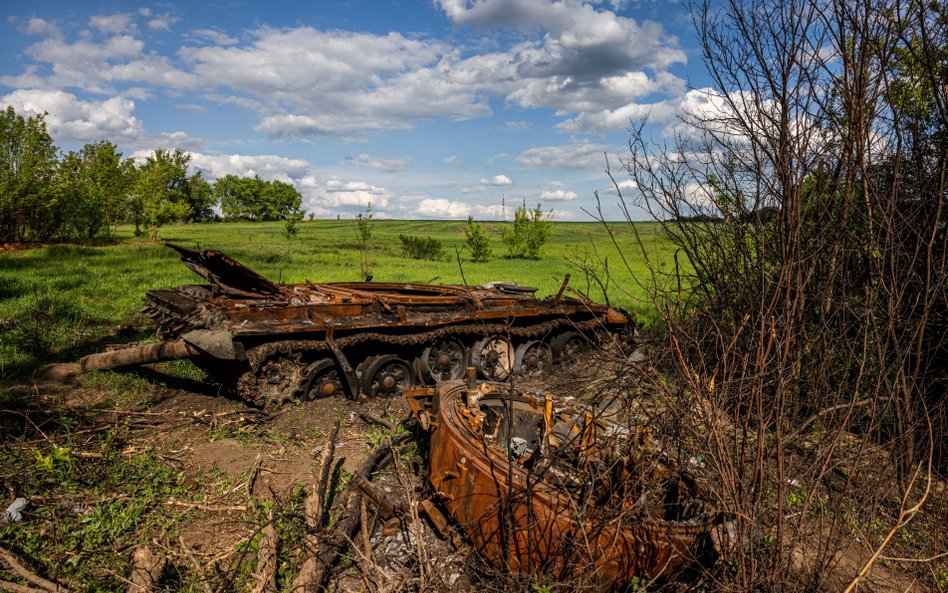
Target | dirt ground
(234,460)
(237,468)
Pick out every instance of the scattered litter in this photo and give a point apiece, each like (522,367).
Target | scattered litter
(13,514)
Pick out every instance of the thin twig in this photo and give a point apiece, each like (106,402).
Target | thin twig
(14,563)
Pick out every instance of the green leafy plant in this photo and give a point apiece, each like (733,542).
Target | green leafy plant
(364,232)
(290,229)
(477,241)
(57,457)
(421,247)
(530,232)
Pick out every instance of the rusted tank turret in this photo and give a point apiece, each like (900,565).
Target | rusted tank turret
(572,493)
(274,343)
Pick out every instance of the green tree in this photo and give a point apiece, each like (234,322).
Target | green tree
(200,198)
(161,189)
(364,232)
(27,168)
(235,195)
(70,193)
(279,201)
(252,198)
(477,241)
(108,179)
(530,232)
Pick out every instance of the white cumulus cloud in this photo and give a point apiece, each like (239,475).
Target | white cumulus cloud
(71,119)
(269,167)
(497,180)
(113,23)
(326,194)
(557,195)
(592,67)
(582,156)
(380,163)
(441,208)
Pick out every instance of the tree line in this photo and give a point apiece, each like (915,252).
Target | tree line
(47,195)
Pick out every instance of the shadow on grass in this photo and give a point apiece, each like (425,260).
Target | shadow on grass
(158,378)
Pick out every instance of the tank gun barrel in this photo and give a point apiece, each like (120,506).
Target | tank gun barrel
(142,354)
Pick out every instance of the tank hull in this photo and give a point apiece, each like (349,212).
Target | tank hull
(266,340)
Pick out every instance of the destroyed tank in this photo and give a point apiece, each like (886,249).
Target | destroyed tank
(272,343)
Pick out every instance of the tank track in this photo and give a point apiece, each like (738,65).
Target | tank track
(275,373)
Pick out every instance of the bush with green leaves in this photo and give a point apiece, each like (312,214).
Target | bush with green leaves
(421,247)
(477,241)
(290,229)
(364,232)
(530,232)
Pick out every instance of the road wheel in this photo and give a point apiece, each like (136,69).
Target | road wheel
(445,360)
(493,358)
(322,380)
(532,359)
(386,375)
(569,345)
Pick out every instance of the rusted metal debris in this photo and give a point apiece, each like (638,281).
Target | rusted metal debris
(274,343)
(544,489)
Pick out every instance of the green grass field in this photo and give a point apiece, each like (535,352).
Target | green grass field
(63,301)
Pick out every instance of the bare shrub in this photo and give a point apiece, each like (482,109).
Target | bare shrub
(808,331)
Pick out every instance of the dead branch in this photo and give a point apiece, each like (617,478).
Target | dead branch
(211,508)
(15,588)
(265,576)
(253,476)
(16,566)
(314,511)
(316,569)
(198,567)
(372,419)
(906,512)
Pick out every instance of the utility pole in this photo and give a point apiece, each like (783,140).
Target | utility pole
(503,210)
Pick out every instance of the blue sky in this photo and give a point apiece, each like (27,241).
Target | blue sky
(427,109)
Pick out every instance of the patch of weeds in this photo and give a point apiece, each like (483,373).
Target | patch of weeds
(314,433)
(241,432)
(86,510)
(184,369)
(42,327)
(941,579)
(377,435)
(126,385)
(541,587)
(907,536)
(216,480)
(794,500)
(281,438)
(638,585)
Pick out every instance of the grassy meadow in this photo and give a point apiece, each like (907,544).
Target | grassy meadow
(60,302)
